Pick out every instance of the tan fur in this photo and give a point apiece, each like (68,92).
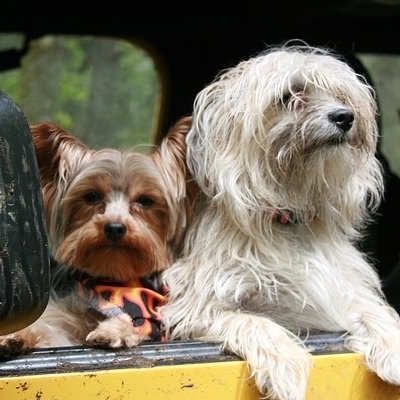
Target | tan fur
(151,196)
(289,133)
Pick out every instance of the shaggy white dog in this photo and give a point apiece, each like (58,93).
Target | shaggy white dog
(282,146)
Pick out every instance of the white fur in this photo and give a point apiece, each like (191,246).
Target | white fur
(267,137)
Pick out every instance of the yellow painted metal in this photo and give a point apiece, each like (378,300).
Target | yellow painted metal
(334,377)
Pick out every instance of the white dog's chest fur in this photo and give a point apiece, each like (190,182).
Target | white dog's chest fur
(280,276)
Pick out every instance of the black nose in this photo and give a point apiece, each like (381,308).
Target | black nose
(114,230)
(342,118)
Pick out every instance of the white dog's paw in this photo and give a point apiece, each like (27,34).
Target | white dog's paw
(380,345)
(114,333)
(385,363)
(285,374)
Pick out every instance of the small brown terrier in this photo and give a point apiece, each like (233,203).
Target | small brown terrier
(115,219)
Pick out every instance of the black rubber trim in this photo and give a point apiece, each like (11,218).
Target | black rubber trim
(76,359)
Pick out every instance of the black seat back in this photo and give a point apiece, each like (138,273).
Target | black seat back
(24,256)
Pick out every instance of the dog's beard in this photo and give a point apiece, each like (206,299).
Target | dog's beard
(139,253)
(309,158)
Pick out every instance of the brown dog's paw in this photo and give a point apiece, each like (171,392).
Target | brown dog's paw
(103,340)
(114,333)
(10,346)
(100,339)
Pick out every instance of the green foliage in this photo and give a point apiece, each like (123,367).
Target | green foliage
(100,89)
(385,74)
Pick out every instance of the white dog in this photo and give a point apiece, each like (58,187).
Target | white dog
(282,146)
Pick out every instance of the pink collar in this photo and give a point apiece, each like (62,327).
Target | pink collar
(288,217)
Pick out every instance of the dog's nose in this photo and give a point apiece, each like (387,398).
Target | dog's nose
(114,230)
(342,118)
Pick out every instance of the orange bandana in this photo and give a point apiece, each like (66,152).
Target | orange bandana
(136,301)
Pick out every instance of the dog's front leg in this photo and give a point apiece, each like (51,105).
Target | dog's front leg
(277,359)
(374,329)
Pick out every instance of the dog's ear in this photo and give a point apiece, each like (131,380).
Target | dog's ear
(170,158)
(55,150)
(57,153)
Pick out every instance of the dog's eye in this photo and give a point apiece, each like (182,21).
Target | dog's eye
(286,97)
(145,201)
(93,197)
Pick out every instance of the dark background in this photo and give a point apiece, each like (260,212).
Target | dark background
(197,39)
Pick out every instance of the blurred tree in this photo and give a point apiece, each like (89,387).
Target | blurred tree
(102,90)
